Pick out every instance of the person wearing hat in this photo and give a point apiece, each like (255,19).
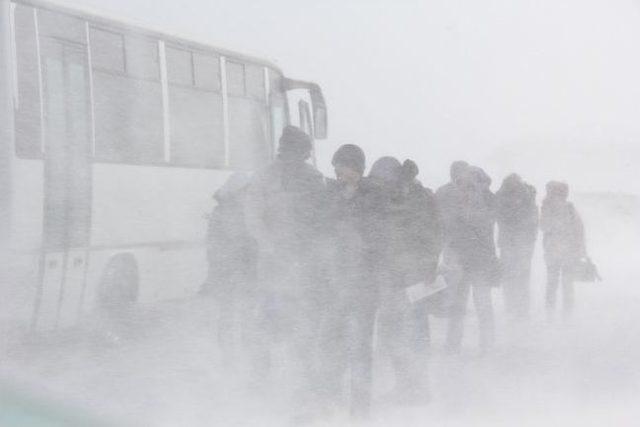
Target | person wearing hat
(284,214)
(407,255)
(346,339)
(563,242)
(448,198)
(517,215)
(467,206)
(232,262)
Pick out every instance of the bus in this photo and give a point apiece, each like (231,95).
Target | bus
(114,139)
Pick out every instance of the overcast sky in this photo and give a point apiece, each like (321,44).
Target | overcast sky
(547,88)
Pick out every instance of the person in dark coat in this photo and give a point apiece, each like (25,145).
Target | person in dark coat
(467,206)
(346,339)
(424,245)
(448,198)
(517,215)
(563,242)
(284,214)
(408,251)
(232,262)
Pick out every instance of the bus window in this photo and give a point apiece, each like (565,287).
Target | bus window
(142,58)
(248,118)
(248,133)
(235,79)
(255,82)
(196,117)
(179,67)
(107,50)
(207,71)
(28,135)
(128,106)
(61,26)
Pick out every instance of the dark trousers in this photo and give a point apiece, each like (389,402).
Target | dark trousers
(559,272)
(459,293)
(516,275)
(403,332)
(233,301)
(462,280)
(346,344)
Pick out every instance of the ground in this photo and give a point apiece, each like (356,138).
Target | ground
(168,372)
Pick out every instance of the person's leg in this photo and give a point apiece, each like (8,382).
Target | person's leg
(553,279)
(397,331)
(361,359)
(509,281)
(567,291)
(422,331)
(459,294)
(484,308)
(390,324)
(333,349)
(259,336)
(525,278)
(302,356)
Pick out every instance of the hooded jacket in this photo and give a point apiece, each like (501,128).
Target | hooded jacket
(284,206)
(563,231)
(517,214)
(410,234)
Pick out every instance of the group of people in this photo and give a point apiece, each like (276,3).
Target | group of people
(322,265)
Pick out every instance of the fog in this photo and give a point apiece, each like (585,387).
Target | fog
(548,90)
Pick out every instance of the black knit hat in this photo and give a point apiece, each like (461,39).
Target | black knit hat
(294,143)
(351,156)
(386,169)
(409,171)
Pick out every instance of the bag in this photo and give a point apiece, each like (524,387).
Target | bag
(586,271)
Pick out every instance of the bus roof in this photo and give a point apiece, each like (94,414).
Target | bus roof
(121,24)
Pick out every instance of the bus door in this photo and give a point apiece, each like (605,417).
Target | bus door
(67,183)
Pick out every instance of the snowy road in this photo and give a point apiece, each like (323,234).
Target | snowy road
(584,373)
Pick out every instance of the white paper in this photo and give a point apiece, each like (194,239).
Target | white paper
(422,290)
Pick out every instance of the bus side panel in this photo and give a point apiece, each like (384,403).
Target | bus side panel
(28,207)
(26,240)
(158,215)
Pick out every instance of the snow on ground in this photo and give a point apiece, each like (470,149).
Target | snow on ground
(585,372)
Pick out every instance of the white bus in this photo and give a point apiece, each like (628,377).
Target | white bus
(113,140)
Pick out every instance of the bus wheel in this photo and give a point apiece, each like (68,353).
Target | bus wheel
(118,291)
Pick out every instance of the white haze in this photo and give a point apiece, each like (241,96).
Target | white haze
(549,89)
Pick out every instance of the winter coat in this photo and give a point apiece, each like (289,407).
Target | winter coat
(563,232)
(517,217)
(352,224)
(468,212)
(285,212)
(231,250)
(410,237)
